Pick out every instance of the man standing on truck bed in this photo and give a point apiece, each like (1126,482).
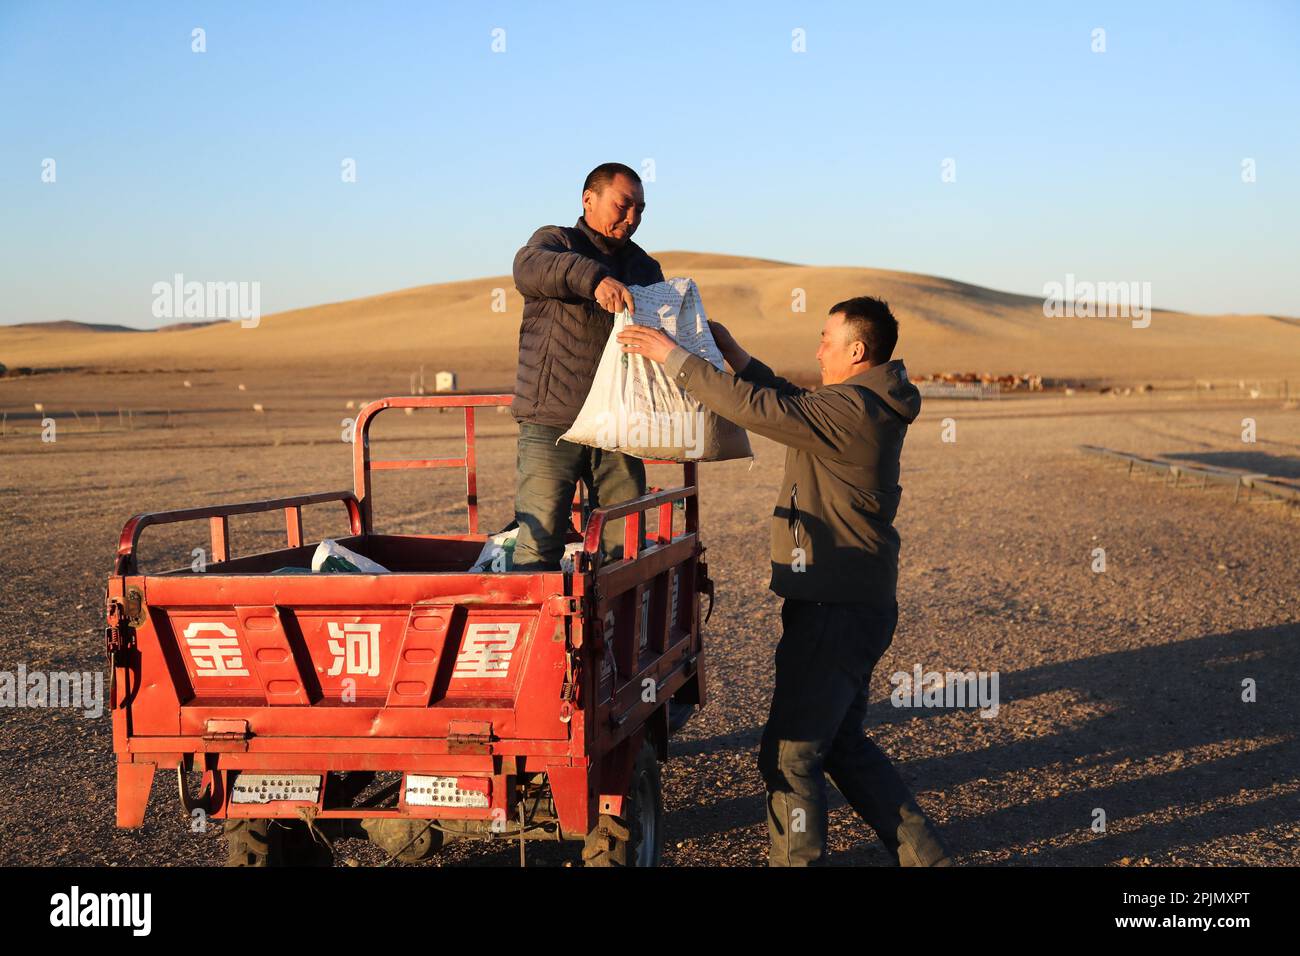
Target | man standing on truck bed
(834,560)
(573,279)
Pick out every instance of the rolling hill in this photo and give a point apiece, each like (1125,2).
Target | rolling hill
(945,326)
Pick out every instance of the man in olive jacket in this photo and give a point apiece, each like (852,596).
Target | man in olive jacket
(834,560)
(573,280)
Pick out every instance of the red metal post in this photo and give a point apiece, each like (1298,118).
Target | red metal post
(693,502)
(220,530)
(632,535)
(665,530)
(293,525)
(471,476)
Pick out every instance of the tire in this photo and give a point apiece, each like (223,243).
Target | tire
(273,843)
(635,839)
(678,715)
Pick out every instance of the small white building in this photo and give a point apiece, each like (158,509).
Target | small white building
(444,382)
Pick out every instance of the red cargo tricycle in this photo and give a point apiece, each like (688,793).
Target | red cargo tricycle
(412,707)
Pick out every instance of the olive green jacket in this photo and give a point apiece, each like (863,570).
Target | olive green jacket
(833,536)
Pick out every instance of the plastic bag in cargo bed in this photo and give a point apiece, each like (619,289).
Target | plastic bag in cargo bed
(498,553)
(332,556)
(635,407)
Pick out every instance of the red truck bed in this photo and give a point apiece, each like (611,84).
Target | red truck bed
(487,693)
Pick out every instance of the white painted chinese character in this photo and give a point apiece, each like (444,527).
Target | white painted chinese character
(487,650)
(355,648)
(215,656)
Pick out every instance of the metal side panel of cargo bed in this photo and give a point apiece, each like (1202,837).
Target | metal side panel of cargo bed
(370,656)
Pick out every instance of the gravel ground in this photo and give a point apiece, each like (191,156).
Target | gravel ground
(1119,690)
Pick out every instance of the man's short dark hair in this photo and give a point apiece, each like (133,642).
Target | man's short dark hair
(604,174)
(870,322)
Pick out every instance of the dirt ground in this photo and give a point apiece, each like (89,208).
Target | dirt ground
(1119,690)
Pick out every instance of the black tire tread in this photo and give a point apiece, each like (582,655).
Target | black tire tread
(613,840)
(258,843)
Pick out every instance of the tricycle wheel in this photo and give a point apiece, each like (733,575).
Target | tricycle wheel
(634,839)
(273,843)
(678,715)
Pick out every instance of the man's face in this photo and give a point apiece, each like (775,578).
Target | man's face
(616,211)
(836,355)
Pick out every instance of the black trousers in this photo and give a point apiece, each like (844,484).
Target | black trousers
(815,728)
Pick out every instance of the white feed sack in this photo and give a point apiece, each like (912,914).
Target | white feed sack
(636,408)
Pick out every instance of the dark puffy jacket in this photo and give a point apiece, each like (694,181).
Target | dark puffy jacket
(564,330)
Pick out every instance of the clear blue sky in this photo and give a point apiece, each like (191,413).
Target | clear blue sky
(225,165)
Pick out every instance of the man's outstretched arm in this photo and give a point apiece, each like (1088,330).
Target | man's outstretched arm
(759,374)
(546,268)
(810,421)
(819,422)
(746,366)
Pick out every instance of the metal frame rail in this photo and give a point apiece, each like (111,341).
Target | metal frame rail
(1275,490)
